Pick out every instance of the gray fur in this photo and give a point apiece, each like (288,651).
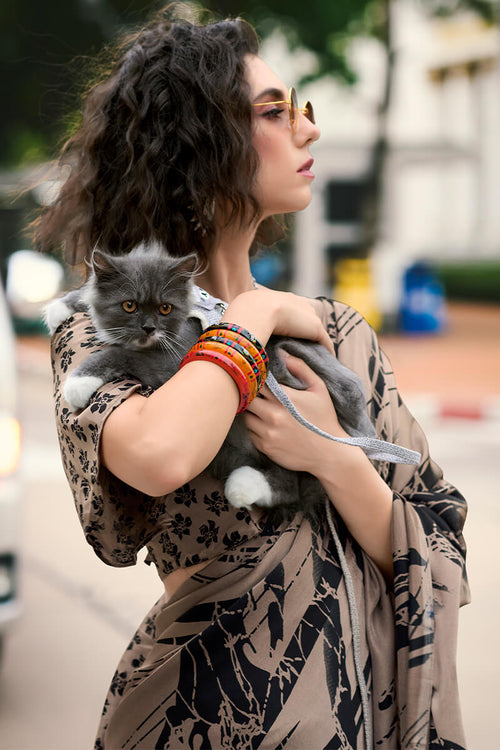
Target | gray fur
(288,488)
(150,277)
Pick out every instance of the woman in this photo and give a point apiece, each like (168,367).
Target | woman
(193,141)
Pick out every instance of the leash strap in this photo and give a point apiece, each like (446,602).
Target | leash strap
(377,450)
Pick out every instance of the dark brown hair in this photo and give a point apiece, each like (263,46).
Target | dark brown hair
(164,138)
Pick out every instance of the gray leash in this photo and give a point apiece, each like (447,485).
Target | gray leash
(374,448)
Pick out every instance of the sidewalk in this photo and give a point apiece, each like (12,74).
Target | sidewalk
(456,373)
(453,374)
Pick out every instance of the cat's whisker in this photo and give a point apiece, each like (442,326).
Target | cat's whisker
(169,346)
(177,348)
(174,340)
(171,285)
(115,335)
(174,336)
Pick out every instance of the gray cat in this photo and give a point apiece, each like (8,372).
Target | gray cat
(140,306)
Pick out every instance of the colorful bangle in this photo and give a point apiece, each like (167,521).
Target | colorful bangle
(243,365)
(238,352)
(229,366)
(242,337)
(233,327)
(250,349)
(254,364)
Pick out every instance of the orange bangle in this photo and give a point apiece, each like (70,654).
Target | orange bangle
(235,328)
(240,361)
(250,350)
(229,366)
(240,347)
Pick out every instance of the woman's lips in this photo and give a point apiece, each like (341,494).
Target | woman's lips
(305,169)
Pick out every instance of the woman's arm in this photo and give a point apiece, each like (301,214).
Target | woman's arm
(359,494)
(159,443)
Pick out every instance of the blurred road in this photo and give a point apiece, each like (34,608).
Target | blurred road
(79,614)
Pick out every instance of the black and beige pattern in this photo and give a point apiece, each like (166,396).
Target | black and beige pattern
(255,651)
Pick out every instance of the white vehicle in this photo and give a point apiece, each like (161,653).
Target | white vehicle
(10,482)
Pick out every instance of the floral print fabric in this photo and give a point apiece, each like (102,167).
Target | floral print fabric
(255,651)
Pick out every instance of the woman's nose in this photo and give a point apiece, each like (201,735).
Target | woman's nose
(307,130)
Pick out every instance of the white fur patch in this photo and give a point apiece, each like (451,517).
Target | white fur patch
(198,314)
(88,294)
(246,486)
(78,390)
(54,314)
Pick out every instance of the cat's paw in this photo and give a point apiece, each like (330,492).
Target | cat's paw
(246,486)
(79,388)
(55,313)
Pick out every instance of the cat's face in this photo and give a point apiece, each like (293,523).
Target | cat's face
(140,300)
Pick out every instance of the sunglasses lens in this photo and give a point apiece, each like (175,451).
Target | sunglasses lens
(309,112)
(293,107)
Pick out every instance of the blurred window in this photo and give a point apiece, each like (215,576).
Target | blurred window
(343,201)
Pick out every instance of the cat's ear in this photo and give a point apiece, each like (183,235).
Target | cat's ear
(102,263)
(188,265)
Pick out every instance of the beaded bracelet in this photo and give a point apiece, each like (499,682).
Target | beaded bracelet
(237,334)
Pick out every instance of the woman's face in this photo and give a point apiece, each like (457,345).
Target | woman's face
(284,176)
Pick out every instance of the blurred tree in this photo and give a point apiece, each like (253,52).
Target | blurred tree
(44,45)
(326,28)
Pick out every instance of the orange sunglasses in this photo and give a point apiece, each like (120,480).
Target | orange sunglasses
(293,108)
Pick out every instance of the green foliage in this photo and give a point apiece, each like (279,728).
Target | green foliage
(46,49)
(43,47)
(324,27)
(475,281)
(487,9)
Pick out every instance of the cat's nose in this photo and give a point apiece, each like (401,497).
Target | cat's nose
(148,329)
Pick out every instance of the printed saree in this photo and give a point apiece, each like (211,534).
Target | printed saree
(255,651)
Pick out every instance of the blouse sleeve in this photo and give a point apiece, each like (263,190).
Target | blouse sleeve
(113,515)
(430,582)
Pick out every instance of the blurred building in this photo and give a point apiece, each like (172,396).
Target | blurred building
(441,194)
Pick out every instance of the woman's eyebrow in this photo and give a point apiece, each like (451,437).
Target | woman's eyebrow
(273,94)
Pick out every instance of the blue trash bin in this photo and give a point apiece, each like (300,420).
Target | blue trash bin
(423,305)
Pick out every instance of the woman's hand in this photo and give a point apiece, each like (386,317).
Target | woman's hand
(357,491)
(284,440)
(265,312)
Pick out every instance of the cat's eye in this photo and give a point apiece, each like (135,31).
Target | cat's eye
(165,308)
(129,305)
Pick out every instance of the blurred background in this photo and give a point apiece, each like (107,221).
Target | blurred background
(404,225)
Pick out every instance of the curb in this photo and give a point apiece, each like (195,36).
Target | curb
(428,406)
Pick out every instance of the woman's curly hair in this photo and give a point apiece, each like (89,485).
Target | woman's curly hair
(164,138)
